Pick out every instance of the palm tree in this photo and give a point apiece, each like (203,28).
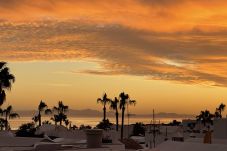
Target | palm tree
(2,123)
(55,119)
(205,117)
(124,100)
(6,80)
(67,123)
(8,114)
(221,108)
(217,113)
(114,106)
(35,119)
(61,109)
(104,100)
(42,108)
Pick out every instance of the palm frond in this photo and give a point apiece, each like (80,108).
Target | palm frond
(2,64)
(55,108)
(13,115)
(2,97)
(9,108)
(99,100)
(48,111)
(42,106)
(6,78)
(35,119)
(132,102)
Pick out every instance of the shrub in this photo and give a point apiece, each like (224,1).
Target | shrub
(46,122)
(84,127)
(139,129)
(27,130)
(105,124)
(174,123)
(74,127)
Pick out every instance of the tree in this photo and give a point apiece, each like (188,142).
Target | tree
(221,108)
(56,119)
(6,80)
(67,123)
(105,125)
(174,123)
(124,100)
(114,106)
(139,129)
(35,119)
(42,108)
(61,110)
(84,127)
(205,117)
(26,130)
(8,114)
(2,123)
(46,122)
(104,100)
(217,113)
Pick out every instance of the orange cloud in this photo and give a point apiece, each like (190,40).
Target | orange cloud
(152,15)
(51,55)
(177,40)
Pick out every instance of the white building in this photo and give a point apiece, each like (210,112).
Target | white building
(220,128)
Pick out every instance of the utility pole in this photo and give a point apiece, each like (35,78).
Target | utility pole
(154,133)
(128,119)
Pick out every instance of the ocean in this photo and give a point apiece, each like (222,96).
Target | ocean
(92,121)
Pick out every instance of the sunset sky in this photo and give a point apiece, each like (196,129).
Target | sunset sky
(170,55)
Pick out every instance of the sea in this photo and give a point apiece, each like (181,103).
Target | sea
(93,121)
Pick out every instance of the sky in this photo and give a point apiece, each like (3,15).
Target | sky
(167,55)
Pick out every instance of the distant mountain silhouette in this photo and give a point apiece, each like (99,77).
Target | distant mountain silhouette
(95,113)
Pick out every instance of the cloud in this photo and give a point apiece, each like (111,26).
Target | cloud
(132,37)
(155,15)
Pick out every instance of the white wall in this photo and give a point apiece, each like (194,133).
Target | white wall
(220,128)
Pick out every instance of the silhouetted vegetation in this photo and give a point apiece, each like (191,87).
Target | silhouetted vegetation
(205,117)
(46,122)
(174,123)
(6,80)
(67,123)
(74,127)
(104,125)
(60,113)
(114,106)
(219,110)
(41,108)
(27,130)
(8,114)
(84,127)
(124,101)
(104,100)
(139,129)
(2,123)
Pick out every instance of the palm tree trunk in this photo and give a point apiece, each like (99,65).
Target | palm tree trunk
(39,116)
(122,123)
(2,96)
(116,120)
(6,122)
(104,113)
